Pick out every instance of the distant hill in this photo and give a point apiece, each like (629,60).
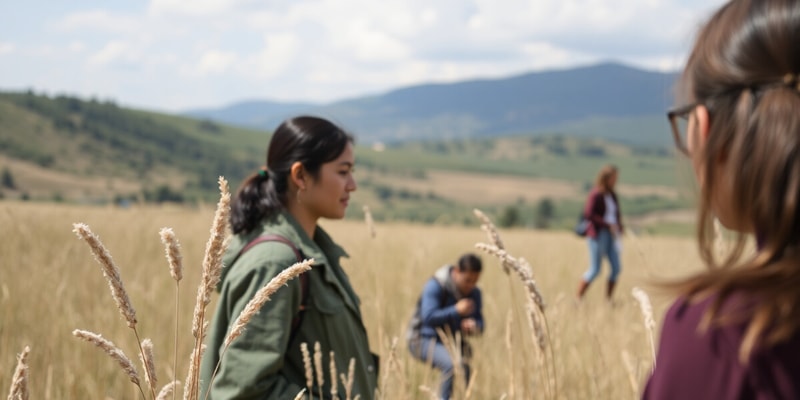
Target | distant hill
(258,114)
(608,100)
(73,149)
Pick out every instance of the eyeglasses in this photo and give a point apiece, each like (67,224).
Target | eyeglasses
(679,120)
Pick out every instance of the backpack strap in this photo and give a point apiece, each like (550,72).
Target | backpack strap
(304,277)
(415,324)
(441,276)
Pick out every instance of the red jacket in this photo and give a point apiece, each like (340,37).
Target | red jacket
(595,211)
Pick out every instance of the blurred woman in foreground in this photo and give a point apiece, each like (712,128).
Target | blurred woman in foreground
(733,333)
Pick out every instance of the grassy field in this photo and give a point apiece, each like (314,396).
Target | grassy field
(50,285)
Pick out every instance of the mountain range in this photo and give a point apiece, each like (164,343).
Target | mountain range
(608,100)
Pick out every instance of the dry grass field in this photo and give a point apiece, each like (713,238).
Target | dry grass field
(50,285)
(470,187)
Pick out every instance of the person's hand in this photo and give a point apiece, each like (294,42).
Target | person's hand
(614,229)
(469,326)
(465,307)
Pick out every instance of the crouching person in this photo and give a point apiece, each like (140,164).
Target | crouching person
(450,303)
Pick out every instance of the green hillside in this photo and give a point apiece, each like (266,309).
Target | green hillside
(498,175)
(68,149)
(100,140)
(557,157)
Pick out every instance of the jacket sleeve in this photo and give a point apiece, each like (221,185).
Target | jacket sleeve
(250,366)
(478,315)
(432,312)
(592,210)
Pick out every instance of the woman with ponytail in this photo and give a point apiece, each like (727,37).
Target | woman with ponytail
(274,214)
(733,332)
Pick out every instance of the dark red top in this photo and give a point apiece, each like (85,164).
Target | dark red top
(691,365)
(595,211)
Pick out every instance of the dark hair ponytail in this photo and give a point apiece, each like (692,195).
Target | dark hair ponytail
(312,141)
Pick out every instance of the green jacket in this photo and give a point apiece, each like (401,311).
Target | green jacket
(261,363)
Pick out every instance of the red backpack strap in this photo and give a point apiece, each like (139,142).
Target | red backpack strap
(304,277)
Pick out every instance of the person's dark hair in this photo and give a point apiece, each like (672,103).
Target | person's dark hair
(744,68)
(469,263)
(312,141)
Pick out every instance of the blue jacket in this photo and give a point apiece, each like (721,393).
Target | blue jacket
(436,307)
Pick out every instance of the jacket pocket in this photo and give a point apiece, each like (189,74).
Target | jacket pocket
(328,303)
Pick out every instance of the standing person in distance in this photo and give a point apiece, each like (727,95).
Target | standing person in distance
(604,230)
(308,176)
(451,302)
(733,331)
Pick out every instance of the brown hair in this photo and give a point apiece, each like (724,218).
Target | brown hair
(602,181)
(743,68)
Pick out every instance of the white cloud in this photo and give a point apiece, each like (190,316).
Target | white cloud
(76,46)
(196,8)
(112,53)
(97,20)
(225,50)
(370,44)
(216,62)
(274,58)
(211,62)
(6,48)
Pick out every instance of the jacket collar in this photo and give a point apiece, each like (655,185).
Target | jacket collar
(322,248)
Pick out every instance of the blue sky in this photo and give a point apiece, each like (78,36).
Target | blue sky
(174,55)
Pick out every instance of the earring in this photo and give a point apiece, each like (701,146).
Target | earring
(298,195)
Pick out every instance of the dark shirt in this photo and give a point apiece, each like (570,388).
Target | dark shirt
(595,210)
(694,365)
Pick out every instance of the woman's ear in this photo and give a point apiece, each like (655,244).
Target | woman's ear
(297,175)
(703,123)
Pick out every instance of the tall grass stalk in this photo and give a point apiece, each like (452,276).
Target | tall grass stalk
(510,349)
(647,314)
(318,367)
(262,296)
(114,352)
(110,271)
(392,369)
(112,275)
(19,382)
(535,301)
(175,261)
(212,268)
(347,381)
(369,221)
(167,390)
(149,365)
(334,386)
(453,344)
(632,371)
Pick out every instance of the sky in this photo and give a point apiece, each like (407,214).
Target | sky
(175,55)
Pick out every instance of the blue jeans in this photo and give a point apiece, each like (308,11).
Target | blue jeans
(603,245)
(434,352)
